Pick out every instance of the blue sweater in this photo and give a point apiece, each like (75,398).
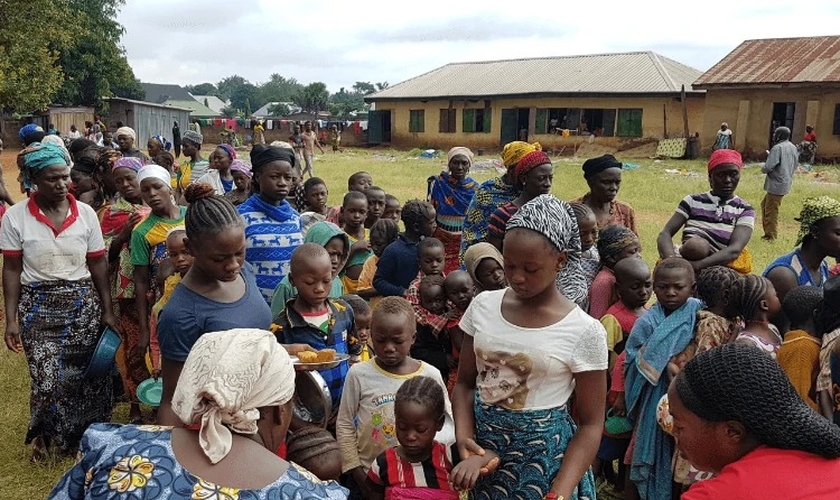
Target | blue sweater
(397,267)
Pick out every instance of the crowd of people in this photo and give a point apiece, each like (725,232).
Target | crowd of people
(492,340)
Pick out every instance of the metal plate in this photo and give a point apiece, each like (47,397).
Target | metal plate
(326,365)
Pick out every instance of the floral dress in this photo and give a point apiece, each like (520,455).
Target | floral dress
(128,461)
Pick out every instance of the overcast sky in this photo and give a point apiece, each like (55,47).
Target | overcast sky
(341,42)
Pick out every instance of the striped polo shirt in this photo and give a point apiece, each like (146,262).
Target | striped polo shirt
(714,219)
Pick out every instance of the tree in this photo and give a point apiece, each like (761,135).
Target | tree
(227,85)
(205,88)
(279,89)
(381,85)
(230,112)
(343,102)
(364,88)
(313,98)
(279,109)
(243,94)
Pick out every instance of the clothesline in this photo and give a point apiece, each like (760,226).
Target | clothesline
(355,126)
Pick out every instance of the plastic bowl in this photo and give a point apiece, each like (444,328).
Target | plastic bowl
(150,391)
(102,360)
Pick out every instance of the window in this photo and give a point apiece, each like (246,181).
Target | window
(597,122)
(836,129)
(629,123)
(447,121)
(477,120)
(417,120)
(550,120)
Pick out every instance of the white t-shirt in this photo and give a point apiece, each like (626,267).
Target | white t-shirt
(51,254)
(530,368)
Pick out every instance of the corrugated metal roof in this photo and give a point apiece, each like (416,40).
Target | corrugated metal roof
(621,73)
(778,60)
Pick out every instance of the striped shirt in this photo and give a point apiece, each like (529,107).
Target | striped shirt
(391,470)
(713,219)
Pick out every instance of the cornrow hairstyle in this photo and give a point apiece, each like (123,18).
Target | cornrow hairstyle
(431,280)
(736,382)
(359,305)
(828,313)
(714,284)
(612,240)
(311,183)
(428,243)
(424,391)
(747,294)
(353,196)
(581,211)
(208,214)
(672,263)
(311,445)
(800,303)
(415,212)
(394,305)
(387,228)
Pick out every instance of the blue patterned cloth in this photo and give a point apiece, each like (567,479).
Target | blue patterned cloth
(128,461)
(794,262)
(531,445)
(272,233)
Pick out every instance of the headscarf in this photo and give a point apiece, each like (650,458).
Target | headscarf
(725,157)
(282,144)
(227,148)
(736,382)
(193,136)
(595,166)
(107,158)
(613,239)
(478,252)
(153,171)
(242,167)
(31,133)
(814,210)
(130,163)
(86,165)
(38,156)
(459,150)
(166,145)
(514,151)
(126,131)
(227,377)
(262,154)
(58,142)
(556,220)
(529,162)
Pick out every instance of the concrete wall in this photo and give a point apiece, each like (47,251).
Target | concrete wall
(661,117)
(749,113)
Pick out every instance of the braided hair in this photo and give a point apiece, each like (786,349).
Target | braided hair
(713,285)
(739,382)
(747,294)
(387,228)
(612,240)
(415,212)
(208,213)
(800,303)
(311,446)
(581,210)
(424,391)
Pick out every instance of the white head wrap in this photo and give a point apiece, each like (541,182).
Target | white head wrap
(227,377)
(126,131)
(154,171)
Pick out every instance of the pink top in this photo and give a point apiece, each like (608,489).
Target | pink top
(602,293)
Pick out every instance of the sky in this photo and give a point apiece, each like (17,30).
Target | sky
(341,42)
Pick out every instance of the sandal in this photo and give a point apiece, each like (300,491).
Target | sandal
(39,451)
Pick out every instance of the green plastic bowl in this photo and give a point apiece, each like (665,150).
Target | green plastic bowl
(150,391)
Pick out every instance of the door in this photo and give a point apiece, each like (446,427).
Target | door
(376,127)
(386,126)
(510,125)
(523,123)
(782,116)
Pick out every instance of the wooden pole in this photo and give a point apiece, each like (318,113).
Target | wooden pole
(664,121)
(685,112)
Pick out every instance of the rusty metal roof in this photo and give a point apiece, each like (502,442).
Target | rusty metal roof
(621,73)
(777,61)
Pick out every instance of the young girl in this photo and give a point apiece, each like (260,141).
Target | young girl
(399,264)
(754,300)
(525,350)
(382,234)
(241,173)
(421,467)
(614,243)
(590,261)
(714,285)
(315,194)
(219,175)
(486,267)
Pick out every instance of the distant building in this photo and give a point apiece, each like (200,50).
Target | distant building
(766,83)
(264,112)
(146,118)
(198,109)
(615,97)
(159,93)
(212,102)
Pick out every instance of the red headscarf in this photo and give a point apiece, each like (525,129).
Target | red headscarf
(529,162)
(725,157)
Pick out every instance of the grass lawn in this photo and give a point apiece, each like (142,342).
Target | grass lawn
(649,189)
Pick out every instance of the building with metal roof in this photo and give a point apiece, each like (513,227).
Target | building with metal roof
(146,118)
(766,83)
(555,100)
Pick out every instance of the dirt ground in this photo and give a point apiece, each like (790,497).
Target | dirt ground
(8,159)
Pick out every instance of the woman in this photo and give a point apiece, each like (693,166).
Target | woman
(736,414)
(117,222)
(125,140)
(808,146)
(450,193)
(272,226)
(492,194)
(196,166)
(176,139)
(220,176)
(156,145)
(235,393)
(55,283)
(603,175)
(723,140)
(532,177)
(717,225)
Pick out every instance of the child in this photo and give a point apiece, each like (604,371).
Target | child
(354,211)
(365,426)
(713,287)
(486,267)
(362,315)
(393,209)
(828,325)
(337,244)
(525,350)
(658,337)
(799,354)
(241,172)
(376,205)
(432,345)
(421,467)
(313,318)
(315,194)
(295,196)
(460,291)
(431,256)
(167,161)
(382,234)
(754,300)
(360,182)
(317,451)
(399,263)
(614,243)
(588,226)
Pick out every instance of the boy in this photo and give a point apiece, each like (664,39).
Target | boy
(432,345)
(460,291)
(365,426)
(354,211)
(393,209)
(799,354)
(376,205)
(399,263)
(362,315)
(359,182)
(313,318)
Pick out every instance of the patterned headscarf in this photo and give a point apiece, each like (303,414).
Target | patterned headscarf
(28,131)
(529,162)
(459,150)
(227,148)
(514,151)
(107,158)
(613,239)
(193,136)
(38,156)
(130,163)
(128,131)
(227,377)
(166,145)
(58,142)
(242,167)
(556,220)
(814,210)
